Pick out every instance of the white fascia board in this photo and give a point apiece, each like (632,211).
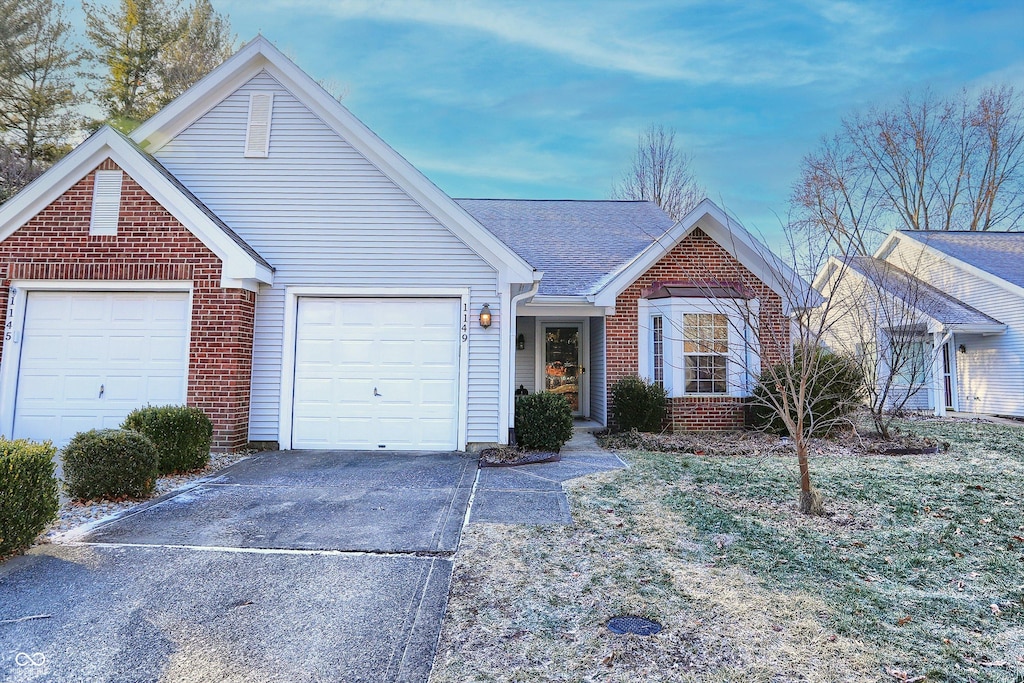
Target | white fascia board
(966,267)
(258,55)
(239,268)
(728,233)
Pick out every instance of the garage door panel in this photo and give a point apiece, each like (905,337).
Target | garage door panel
(396,346)
(75,342)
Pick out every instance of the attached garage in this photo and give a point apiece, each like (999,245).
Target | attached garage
(89,358)
(377,374)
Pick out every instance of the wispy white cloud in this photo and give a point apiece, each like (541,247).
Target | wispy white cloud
(649,39)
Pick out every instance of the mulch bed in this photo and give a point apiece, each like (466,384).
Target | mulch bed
(507,456)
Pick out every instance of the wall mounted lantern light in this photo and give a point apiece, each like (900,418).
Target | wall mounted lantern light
(962,349)
(520,342)
(485,316)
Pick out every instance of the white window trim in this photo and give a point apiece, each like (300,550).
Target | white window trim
(14,326)
(744,363)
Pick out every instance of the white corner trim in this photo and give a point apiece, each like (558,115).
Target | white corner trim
(291,307)
(17,301)
(239,268)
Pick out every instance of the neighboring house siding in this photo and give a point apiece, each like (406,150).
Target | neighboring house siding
(526,359)
(697,257)
(991,373)
(321,214)
(597,372)
(150,245)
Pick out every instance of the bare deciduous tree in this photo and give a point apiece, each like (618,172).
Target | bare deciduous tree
(783,370)
(37,93)
(882,324)
(929,163)
(661,173)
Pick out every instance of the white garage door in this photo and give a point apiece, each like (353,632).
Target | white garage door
(90,358)
(376,374)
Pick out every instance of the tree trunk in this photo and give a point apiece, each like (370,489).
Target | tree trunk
(810,500)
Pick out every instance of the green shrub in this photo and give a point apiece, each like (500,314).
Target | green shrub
(28,492)
(110,463)
(543,421)
(182,435)
(834,389)
(638,404)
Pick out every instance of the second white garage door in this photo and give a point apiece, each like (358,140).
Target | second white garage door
(90,358)
(376,374)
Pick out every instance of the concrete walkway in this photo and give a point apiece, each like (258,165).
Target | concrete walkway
(533,494)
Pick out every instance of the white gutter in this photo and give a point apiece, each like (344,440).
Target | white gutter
(511,341)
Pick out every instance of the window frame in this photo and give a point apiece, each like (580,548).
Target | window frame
(743,364)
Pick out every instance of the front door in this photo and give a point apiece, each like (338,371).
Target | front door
(563,363)
(948,375)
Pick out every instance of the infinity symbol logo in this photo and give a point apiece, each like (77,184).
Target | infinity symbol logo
(26,659)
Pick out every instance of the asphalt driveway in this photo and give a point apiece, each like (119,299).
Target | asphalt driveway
(297,566)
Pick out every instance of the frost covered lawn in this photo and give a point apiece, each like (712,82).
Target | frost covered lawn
(917,572)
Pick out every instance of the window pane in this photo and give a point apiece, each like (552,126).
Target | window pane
(658,350)
(705,345)
(706,375)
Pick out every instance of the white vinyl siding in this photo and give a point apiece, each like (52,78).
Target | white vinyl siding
(991,372)
(526,359)
(322,214)
(106,202)
(598,372)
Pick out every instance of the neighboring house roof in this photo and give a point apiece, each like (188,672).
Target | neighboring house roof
(917,293)
(242,266)
(260,55)
(998,253)
(576,243)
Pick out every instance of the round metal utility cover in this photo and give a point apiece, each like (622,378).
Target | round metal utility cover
(637,625)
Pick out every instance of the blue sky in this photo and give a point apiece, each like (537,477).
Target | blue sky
(545,99)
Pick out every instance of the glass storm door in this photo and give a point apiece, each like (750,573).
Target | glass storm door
(563,362)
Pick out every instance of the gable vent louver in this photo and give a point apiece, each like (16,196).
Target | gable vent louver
(257,135)
(106,203)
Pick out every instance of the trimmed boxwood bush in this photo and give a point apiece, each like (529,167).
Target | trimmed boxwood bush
(28,492)
(543,421)
(638,404)
(835,389)
(110,463)
(182,435)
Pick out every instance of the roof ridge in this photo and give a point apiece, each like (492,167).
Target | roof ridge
(517,199)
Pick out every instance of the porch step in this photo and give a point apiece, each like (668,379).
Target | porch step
(587,426)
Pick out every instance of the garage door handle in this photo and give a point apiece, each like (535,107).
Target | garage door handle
(375,392)
(101,392)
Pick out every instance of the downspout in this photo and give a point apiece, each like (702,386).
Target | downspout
(511,341)
(938,374)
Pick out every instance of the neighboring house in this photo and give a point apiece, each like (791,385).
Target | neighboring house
(960,311)
(256,251)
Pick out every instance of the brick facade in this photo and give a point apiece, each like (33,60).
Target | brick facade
(697,258)
(150,245)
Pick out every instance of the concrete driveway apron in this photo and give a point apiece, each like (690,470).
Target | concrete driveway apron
(292,566)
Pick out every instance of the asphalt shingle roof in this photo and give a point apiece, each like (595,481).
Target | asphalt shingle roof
(576,243)
(998,253)
(931,301)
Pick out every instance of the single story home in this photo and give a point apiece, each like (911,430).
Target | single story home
(254,250)
(956,300)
